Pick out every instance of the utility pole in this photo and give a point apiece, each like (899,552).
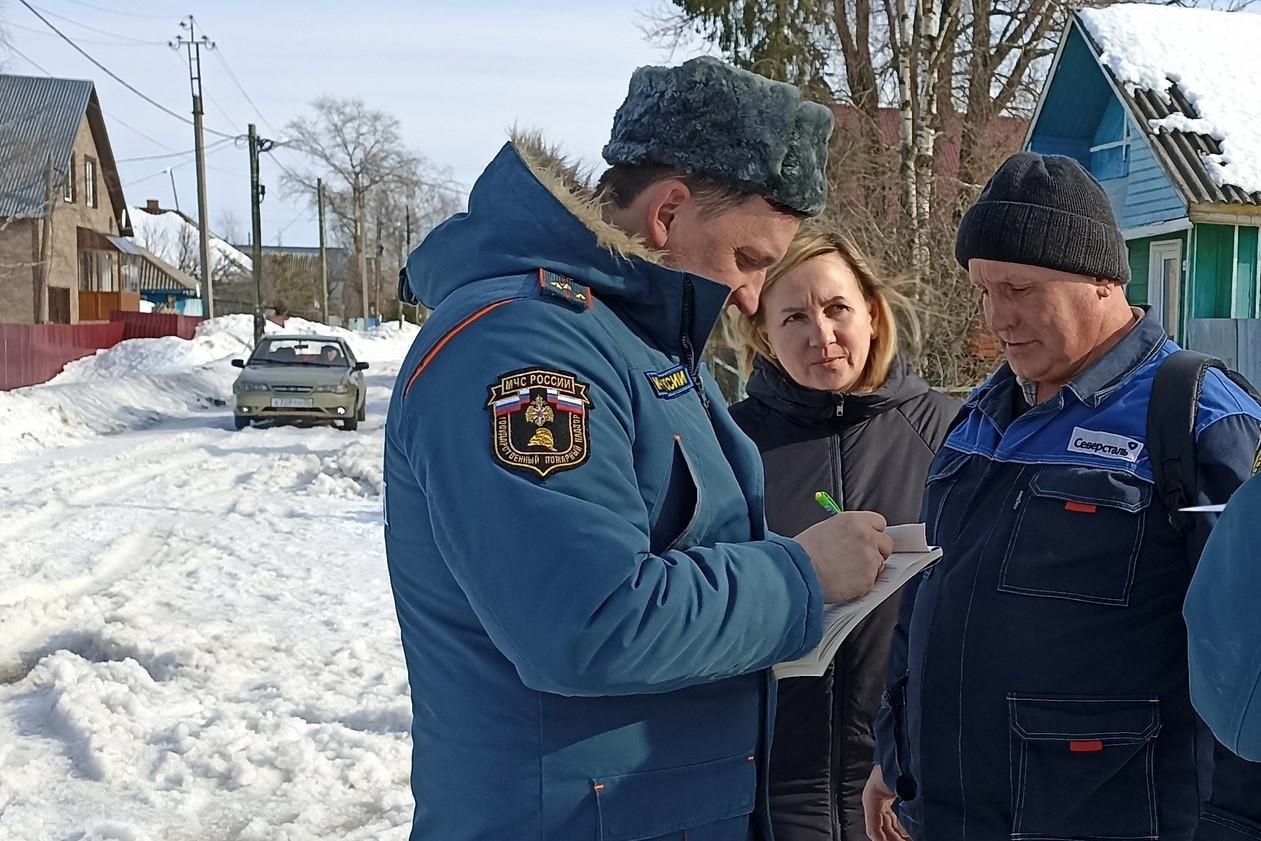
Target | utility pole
(319,200)
(46,247)
(194,45)
(361,241)
(256,217)
(376,274)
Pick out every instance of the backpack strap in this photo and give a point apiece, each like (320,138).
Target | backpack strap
(1171,417)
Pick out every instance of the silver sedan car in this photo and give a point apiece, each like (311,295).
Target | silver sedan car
(311,379)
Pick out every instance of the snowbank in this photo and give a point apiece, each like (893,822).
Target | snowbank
(140,382)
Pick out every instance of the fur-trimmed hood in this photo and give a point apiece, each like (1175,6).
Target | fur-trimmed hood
(532,209)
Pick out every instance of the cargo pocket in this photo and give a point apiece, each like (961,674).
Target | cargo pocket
(1083,768)
(1044,559)
(706,800)
(942,476)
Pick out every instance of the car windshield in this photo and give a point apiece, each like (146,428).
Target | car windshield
(300,352)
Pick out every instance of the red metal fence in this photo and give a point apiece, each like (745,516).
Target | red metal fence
(153,325)
(35,353)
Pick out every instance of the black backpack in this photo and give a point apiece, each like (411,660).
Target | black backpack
(1171,417)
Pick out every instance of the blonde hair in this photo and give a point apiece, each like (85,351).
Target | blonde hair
(884,294)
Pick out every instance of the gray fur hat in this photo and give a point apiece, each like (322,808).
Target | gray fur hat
(730,126)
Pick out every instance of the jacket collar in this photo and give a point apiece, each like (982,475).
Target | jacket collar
(996,397)
(773,387)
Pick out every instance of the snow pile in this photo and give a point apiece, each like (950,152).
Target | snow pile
(140,382)
(197,638)
(1210,56)
(174,239)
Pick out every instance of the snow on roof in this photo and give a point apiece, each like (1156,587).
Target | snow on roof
(1210,56)
(176,240)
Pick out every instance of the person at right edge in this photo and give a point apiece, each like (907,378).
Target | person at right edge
(1038,683)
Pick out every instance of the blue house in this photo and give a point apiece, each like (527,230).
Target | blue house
(1155,101)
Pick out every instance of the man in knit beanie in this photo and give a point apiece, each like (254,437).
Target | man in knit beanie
(1038,686)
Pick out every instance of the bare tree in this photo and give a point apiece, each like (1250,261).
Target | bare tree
(228,225)
(358,151)
(966,72)
(402,215)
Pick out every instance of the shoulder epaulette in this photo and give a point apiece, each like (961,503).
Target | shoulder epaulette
(563,290)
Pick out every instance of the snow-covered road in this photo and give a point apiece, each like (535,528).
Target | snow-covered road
(197,639)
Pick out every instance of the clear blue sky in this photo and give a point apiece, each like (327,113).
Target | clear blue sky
(457,74)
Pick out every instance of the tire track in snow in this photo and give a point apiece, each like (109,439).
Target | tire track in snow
(68,491)
(30,608)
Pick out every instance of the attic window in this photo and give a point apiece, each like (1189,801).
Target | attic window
(1110,154)
(89,182)
(70,194)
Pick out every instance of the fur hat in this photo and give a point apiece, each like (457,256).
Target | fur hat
(726,125)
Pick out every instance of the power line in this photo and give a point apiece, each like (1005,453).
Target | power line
(127,38)
(118,11)
(114,75)
(222,110)
(214,145)
(308,217)
(152,140)
(224,62)
(27,58)
(217,148)
(94,42)
(286,169)
(111,117)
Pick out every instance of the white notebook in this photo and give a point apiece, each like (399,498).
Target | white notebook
(911,556)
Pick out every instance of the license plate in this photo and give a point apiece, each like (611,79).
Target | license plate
(291,403)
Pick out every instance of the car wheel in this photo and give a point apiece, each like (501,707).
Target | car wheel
(350,424)
(240,422)
(363,411)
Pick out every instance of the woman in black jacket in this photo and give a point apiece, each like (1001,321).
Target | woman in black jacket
(832,407)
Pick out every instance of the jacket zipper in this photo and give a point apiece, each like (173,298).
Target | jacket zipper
(685,340)
(838,477)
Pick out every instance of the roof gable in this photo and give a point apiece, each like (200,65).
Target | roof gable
(1183,74)
(39,118)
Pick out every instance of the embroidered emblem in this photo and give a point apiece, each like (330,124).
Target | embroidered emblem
(670,384)
(1104,445)
(539,420)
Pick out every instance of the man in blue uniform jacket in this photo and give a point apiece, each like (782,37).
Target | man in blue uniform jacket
(588,595)
(1223,613)
(1038,683)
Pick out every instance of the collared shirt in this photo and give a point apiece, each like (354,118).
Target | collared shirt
(1029,388)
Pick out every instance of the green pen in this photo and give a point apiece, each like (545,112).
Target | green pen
(827,503)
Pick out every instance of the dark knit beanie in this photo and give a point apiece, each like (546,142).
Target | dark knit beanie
(1045,210)
(733,127)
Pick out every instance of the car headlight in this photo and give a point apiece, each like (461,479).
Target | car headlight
(340,388)
(245,388)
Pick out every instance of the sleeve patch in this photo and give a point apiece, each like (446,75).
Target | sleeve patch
(538,421)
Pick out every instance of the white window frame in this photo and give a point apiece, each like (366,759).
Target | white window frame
(90,196)
(1158,253)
